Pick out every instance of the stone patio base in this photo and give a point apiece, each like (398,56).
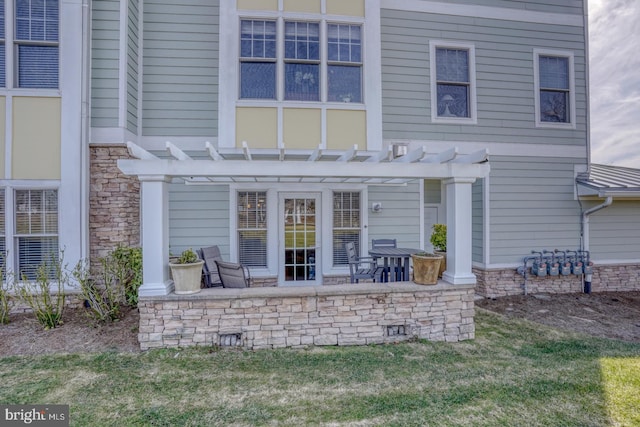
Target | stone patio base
(353,314)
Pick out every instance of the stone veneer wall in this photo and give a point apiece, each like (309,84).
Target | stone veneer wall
(114,202)
(606,278)
(356,314)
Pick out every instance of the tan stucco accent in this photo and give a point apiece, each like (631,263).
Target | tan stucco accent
(3,128)
(309,6)
(302,128)
(258,126)
(35,149)
(345,128)
(344,7)
(257,4)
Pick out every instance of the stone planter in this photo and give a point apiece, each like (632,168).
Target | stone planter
(187,277)
(426,268)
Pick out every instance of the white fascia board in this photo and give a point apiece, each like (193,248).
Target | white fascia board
(299,169)
(488,12)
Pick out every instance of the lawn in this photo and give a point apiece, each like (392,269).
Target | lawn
(514,373)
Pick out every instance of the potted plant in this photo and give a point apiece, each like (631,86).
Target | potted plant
(426,267)
(186,271)
(439,241)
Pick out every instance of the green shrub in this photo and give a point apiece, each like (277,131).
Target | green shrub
(188,256)
(5,301)
(127,267)
(439,237)
(45,295)
(113,284)
(103,300)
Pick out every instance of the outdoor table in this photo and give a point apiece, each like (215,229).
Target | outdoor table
(396,262)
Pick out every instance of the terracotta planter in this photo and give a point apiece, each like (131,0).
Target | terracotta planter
(426,268)
(187,277)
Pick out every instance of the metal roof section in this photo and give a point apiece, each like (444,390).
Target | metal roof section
(604,181)
(212,165)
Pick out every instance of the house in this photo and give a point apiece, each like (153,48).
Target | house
(281,129)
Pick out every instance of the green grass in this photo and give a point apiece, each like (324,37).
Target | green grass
(514,373)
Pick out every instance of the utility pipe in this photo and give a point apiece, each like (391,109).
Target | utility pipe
(585,235)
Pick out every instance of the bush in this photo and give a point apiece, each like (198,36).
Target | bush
(113,285)
(5,301)
(127,267)
(188,256)
(439,237)
(46,303)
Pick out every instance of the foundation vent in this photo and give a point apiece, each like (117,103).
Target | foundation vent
(396,331)
(230,340)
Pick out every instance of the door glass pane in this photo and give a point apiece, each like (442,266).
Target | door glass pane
(299,239)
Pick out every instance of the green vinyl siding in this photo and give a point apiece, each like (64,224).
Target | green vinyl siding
(574,7)
(400,216)
(198,217)
(477,221)
(105,45)
(532,207)
(504,77)
(614,232)
(180,83)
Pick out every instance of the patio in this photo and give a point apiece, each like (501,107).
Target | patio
(274,317)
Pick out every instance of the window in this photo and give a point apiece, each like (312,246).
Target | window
(3,65)
(258,59)
(554,88)
(36,43)
(36,230)
(345,63)
(302,62)
(452,83)
(346,224)
(252,228)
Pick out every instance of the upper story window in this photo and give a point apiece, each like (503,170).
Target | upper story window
(554,83)
(453,84)
(35,51)
(314,52)
(258,59)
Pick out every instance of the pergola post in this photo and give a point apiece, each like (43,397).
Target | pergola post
(458,197)
(154,198)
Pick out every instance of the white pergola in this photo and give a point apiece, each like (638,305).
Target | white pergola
(456,171)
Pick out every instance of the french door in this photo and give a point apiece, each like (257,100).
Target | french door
(300,238)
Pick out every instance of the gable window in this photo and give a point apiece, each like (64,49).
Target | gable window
(318,61)
(36,230)
(252,228)
(554,88)
(36,43)
(346,224)
(452,83)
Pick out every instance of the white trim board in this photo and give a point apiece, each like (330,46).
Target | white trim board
(487,12)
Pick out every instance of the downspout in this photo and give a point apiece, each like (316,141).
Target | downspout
(585,235)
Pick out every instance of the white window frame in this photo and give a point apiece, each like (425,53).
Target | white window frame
(229,84)
(473,103)
(325,215)
(537,53)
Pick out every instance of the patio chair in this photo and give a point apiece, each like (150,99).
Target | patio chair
(233,275)
(382,243)
(210,276)
(361,267)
